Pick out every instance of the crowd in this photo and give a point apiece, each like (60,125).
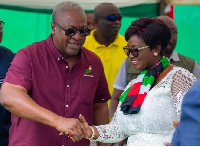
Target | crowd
(56,91)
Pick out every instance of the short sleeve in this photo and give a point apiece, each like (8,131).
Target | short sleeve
(120,82)
(196,70)
(20,70)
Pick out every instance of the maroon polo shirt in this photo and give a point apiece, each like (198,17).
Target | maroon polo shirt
(44,73)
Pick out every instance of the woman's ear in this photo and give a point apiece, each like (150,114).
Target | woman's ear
(157,50)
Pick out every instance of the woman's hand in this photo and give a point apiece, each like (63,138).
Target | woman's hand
(89,131)
(71,127)
(175,124)
(78,135)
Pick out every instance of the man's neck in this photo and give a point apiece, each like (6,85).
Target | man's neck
(104,40)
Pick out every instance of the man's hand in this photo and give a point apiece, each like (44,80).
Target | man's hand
(75,132)
(71,127)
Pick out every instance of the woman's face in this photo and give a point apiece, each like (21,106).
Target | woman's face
(145,58)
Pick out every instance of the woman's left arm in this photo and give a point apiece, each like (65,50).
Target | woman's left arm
(181,82)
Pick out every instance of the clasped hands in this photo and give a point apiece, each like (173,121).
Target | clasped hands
(78,129)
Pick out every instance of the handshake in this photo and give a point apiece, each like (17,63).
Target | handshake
(78,129)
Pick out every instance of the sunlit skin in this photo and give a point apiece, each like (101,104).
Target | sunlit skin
(145,58)
(69,46)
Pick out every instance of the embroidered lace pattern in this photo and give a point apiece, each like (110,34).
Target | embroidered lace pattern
(153,125)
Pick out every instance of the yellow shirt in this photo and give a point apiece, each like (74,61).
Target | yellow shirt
(111,56)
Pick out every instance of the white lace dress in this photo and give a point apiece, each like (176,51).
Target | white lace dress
(153,124)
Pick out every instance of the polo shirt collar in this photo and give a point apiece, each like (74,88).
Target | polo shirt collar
(53,48)
(97,45)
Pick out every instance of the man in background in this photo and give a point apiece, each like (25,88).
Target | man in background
(105,41)
(6,57)
(90,20)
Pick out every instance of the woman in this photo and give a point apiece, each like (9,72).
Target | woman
(152,101)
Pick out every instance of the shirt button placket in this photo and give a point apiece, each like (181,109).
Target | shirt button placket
(67,106)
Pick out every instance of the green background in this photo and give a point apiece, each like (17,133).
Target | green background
(23,27)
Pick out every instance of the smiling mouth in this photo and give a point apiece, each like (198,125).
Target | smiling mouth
(134,62)
(74,45)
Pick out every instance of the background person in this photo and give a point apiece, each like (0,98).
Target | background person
(6,57)
(90,20)
(126,72)
(159,87)
(52,81)
(105,41)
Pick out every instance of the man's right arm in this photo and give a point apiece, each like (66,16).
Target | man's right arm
(16,100)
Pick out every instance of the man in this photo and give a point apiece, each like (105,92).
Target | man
(105,40)
(6,57)
(187,131)
(127,72)
(51,82)
(90,20)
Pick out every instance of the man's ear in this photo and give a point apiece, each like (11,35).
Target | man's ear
(53,27)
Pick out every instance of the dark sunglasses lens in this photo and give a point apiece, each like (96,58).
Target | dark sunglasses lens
(134,52)
(119,18)
(84,31)
(114,18)
(70,32)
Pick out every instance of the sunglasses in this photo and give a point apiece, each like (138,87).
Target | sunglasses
(1,24)
(134,52)
(72,31)
(111,17)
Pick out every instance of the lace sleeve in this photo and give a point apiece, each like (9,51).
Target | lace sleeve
(181,82)
(111,132)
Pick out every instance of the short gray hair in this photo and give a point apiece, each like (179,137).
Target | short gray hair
(65,6)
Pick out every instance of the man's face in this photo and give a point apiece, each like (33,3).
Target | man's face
(69,45)
(107,27)
(90,21)
(173,29)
